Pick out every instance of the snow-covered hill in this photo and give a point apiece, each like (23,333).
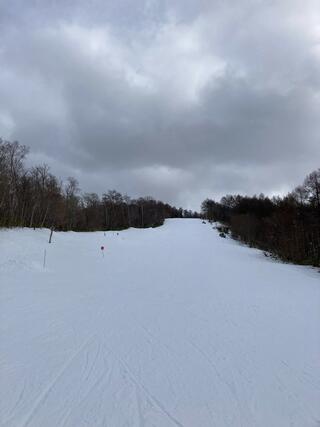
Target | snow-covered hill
(174,326)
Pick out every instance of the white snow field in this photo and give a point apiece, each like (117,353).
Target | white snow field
(174,326)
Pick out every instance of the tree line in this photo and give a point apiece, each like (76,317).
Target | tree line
(34,197)
(286,227)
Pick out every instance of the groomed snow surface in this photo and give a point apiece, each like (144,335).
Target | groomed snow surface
(174,326)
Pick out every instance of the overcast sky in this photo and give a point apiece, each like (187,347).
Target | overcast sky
(178,99)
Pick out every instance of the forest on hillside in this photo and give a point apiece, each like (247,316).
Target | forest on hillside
(34,197)
(286,227)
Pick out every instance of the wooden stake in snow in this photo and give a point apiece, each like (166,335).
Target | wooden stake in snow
(44,258)
(51,232)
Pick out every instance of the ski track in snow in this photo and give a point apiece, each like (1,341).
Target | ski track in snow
(173,327)
(43,395)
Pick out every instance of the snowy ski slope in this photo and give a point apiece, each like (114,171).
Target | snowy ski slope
(174,326)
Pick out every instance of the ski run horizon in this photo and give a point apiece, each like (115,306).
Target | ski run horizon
(167,326)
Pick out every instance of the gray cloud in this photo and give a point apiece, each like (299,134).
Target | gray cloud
(180,100)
